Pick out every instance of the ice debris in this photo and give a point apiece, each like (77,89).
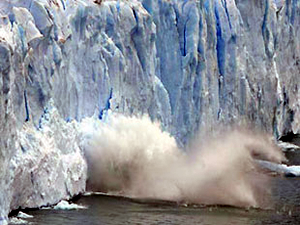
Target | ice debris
(289,171)
(23,215)
(64,205)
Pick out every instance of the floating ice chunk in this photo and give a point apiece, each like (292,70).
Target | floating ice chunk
(24,215)
(280,168)
(64,205)
(292,170)
(285,146)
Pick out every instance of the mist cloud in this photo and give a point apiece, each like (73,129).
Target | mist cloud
(134,157)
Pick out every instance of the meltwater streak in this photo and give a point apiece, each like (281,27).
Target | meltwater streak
(134,157)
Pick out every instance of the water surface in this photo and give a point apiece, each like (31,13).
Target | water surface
(115,210)
(103,209)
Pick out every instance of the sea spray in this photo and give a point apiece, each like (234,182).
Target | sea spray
(132,156)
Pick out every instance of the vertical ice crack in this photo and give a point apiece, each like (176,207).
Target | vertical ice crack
(184,50)
(26,106)
(224,2)
(220,47)
(185,37)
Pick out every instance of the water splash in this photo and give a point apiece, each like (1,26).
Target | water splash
(132,156)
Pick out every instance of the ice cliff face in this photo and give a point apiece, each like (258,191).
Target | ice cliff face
(227,62)
(190,64)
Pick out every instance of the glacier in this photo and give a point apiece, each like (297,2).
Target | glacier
(192,65)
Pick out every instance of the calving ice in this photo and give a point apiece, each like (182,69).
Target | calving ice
(133,157)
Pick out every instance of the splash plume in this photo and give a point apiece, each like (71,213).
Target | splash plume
(134,157)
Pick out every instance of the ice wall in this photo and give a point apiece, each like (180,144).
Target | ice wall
(226,61)
(190,64)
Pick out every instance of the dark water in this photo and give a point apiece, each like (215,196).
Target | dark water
(113,210)
(293,157)
(116,210)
